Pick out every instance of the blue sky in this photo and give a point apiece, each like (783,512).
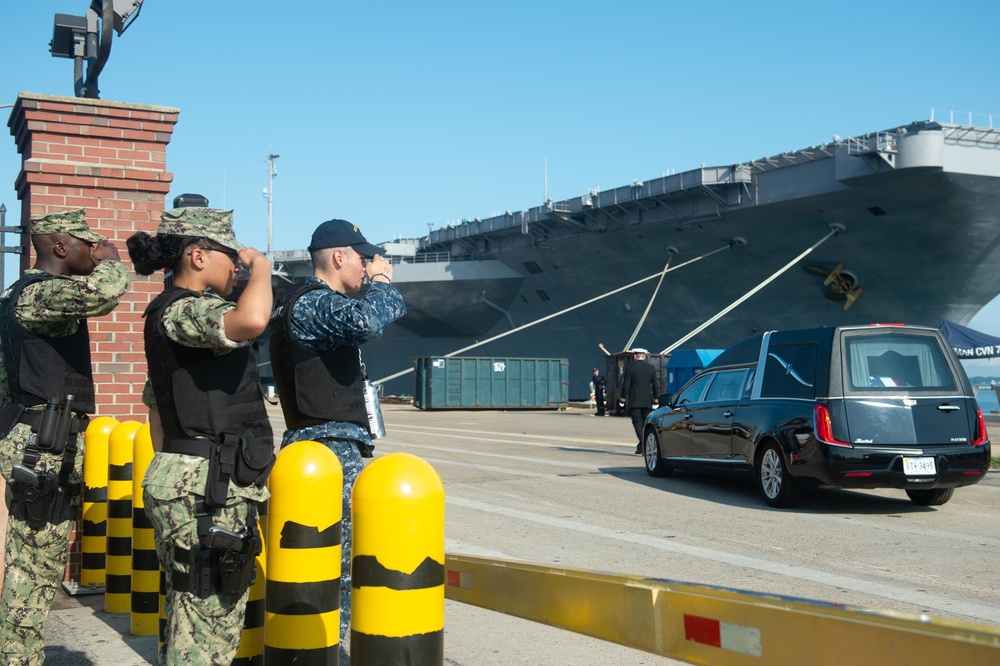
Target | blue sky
(399,115)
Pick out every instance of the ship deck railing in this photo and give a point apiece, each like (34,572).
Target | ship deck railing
(438,257)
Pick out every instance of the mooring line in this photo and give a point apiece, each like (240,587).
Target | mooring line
(834,230)
(658,274)
(642,319)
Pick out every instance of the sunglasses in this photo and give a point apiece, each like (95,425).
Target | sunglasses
(232,254)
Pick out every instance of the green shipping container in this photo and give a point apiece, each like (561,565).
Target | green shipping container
(491,383)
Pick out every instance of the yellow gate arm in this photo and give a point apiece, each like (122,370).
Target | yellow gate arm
(702,624)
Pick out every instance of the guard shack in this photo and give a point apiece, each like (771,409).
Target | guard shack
(617,363)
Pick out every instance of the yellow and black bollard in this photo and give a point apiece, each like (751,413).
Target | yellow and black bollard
(94,543)
(302,620)
(118,580)
(397,564)
(145,564)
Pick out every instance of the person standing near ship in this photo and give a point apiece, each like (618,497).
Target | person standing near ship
(639,391)
(598,382)
(316,334)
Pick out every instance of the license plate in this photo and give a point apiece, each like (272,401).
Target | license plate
(919,466)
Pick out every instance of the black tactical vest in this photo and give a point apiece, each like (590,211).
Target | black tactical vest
(198,393)
(40,367)
(314,386)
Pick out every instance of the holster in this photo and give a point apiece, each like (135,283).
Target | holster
(227,570)
(236,568)
(38,499)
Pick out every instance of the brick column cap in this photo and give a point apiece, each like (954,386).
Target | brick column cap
(23,98)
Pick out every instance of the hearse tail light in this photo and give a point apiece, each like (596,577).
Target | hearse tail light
(981,435)
(824,429)
(890,324)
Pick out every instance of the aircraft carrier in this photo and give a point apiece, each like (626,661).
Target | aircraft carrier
(904,225)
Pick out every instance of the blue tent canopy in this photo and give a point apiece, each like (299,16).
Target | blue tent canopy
(968,343)
(685,364)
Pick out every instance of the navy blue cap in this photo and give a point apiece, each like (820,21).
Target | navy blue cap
(341,233)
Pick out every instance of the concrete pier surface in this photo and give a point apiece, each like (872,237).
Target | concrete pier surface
(563,488)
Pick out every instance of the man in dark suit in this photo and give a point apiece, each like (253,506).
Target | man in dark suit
(639,391)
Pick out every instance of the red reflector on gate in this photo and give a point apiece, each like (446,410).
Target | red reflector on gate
(702,630)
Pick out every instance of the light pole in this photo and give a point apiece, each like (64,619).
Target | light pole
(272,173)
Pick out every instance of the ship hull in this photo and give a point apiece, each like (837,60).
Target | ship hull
(921,249)
(899,226)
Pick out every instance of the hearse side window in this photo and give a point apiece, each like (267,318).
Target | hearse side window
(694,391)
(894,360)
(790,371)
(728,385)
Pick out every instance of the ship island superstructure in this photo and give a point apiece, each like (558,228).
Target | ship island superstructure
(915,212)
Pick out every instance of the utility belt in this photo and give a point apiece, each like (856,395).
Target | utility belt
(224,564)
(51,427)
(245,460)
(77,424)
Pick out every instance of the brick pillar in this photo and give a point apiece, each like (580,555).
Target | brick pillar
(110,158)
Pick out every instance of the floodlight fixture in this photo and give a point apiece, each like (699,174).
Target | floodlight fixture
(89,38)
(68,35)
(126,11)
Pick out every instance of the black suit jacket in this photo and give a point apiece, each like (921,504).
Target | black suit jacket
(639,386)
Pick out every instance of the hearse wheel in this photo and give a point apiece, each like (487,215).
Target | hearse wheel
(773,480)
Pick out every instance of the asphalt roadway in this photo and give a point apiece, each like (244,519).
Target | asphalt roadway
(565,489)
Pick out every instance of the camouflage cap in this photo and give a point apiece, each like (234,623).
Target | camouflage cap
(211,223)
(72,222)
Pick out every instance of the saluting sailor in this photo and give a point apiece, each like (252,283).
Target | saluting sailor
(202,489)
(47,384)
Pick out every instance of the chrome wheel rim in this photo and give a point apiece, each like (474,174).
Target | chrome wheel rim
(649,451)
(770,473)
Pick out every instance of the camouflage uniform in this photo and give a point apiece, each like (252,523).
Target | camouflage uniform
(324,319)
(200,631)
(35,560)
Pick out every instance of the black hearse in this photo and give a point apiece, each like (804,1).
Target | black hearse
(881,406)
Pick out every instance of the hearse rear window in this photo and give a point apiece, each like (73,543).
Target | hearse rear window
(892,361)
(790,371)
